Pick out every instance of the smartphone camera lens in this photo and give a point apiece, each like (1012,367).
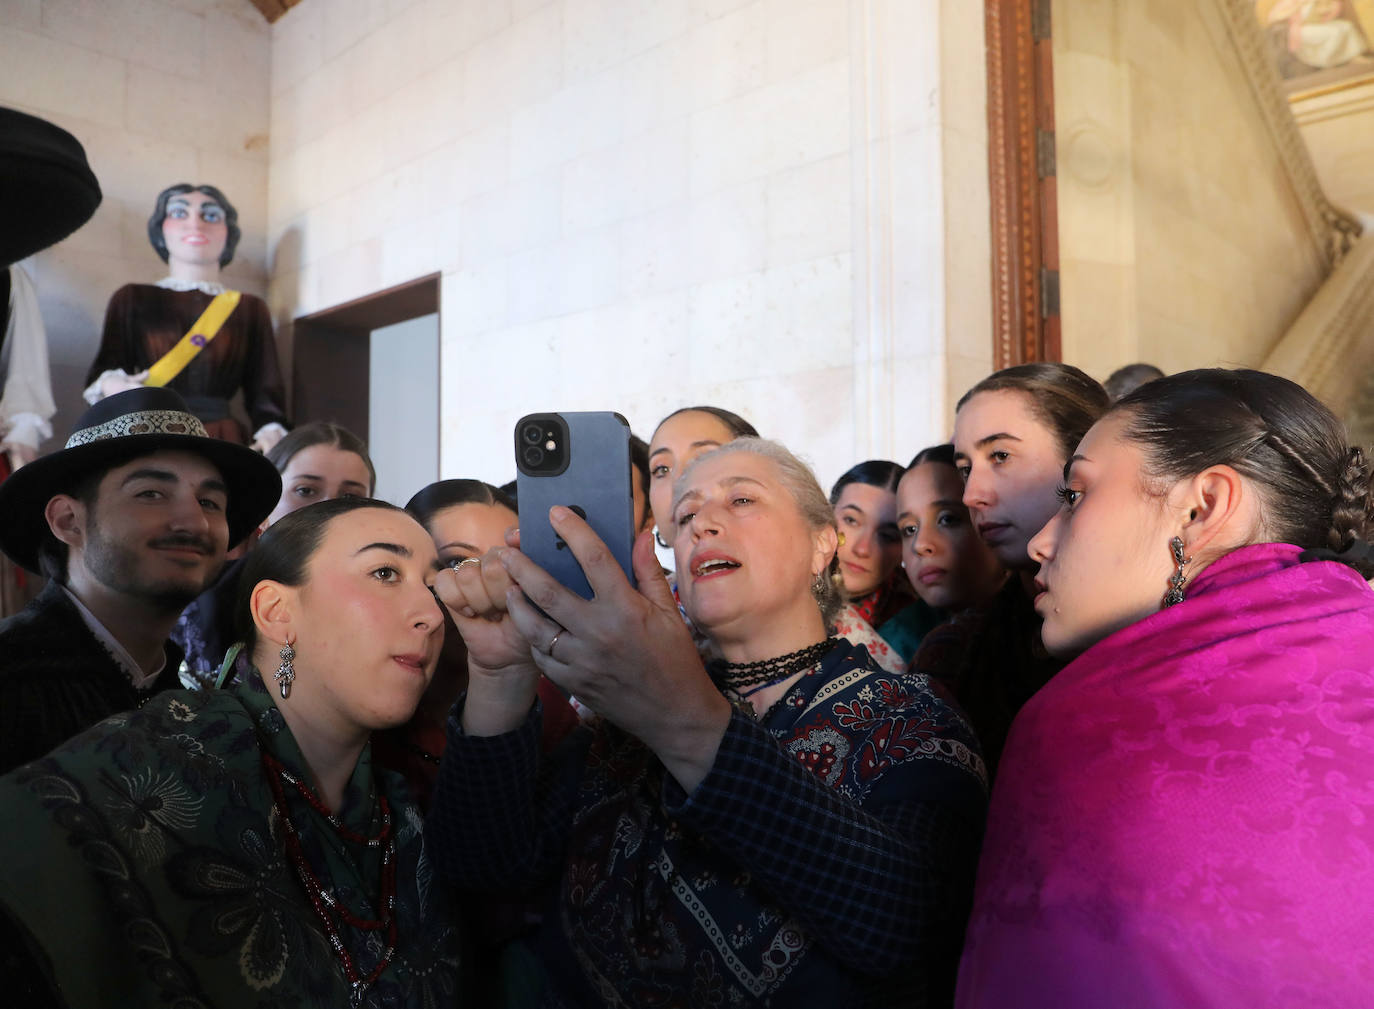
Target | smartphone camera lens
(532,434)
(534,456)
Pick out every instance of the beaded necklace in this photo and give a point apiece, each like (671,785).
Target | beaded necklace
(325,905)
(734,676)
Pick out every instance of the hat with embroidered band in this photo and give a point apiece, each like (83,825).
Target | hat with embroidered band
(117,430)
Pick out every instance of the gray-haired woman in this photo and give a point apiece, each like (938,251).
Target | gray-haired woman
(793,826)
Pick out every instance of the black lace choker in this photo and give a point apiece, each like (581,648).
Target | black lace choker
(737,676)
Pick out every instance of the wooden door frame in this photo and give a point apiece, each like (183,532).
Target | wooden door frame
(1021,179)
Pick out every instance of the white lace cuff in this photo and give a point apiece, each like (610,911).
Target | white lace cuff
(27,429)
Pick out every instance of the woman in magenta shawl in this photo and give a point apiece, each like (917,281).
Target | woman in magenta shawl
(1185,814)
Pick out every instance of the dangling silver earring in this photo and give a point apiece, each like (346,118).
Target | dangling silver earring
(286,672)
(1175,593)
(659,540)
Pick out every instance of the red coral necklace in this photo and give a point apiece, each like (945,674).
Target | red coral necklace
(326,906)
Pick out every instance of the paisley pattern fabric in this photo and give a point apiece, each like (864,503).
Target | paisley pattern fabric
(146,861)
(1184,816)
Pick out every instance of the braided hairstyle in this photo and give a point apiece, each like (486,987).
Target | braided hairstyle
(1314,487)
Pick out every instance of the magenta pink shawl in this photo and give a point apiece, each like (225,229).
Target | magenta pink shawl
(1184,816)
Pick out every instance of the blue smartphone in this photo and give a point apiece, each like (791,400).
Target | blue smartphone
(580,461)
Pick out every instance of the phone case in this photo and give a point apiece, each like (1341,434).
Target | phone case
(595,483)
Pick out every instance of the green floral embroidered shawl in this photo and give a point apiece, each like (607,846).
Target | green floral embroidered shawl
(146,861)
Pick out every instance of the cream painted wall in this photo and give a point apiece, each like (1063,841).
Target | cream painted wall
(157,93)
(777,206)
(1181,240)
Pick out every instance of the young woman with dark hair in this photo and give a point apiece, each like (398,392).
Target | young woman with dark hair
(1013,432)
(947,563)
(465,519)
(678,439)
(1185,814)
(881,612)
(319,461)
(238,847)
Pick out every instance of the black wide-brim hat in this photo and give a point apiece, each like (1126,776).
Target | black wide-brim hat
(47,189)
(117,430)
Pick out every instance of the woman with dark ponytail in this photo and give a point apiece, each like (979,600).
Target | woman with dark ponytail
(1185,813)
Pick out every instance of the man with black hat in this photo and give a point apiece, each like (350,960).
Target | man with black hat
(130,522)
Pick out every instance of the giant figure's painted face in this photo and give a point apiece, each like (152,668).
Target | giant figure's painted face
(195,229)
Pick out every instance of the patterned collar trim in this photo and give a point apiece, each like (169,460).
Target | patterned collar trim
(140,422)
(207,286)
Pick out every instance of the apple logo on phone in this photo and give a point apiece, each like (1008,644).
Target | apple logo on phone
(581,513)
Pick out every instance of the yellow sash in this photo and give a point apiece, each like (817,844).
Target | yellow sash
(200,334)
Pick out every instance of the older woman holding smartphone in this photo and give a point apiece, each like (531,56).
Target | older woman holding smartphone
(793,826)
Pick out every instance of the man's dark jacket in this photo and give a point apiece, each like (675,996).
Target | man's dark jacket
(57,679)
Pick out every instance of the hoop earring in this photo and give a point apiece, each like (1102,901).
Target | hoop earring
(1175,594)
(659,540)
(286,672)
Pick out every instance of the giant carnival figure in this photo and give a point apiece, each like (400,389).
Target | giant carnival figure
(47,191)
(188,331)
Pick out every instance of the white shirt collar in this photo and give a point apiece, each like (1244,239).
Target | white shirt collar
(118,652)
(208,286)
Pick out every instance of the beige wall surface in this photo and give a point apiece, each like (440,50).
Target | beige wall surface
(776,206)
(157,93)
(1182,240)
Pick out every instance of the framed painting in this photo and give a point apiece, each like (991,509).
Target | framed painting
(1319,45)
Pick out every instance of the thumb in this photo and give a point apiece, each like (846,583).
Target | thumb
(649,575)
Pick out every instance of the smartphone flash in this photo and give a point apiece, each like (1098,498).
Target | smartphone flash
(550,444)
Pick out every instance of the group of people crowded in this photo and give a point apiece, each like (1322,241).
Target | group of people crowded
(1074,710)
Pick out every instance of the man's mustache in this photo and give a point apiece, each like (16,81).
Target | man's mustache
(179,541)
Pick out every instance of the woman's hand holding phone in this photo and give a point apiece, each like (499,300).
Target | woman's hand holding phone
(502,675)
(626,653)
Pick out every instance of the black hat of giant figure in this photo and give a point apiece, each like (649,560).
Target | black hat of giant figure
(119,429)
(47,189)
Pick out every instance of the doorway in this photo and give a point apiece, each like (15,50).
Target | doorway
(373,365)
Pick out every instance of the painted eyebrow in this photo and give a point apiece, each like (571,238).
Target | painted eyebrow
(391,548)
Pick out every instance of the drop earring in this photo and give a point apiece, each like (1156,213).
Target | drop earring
(286,672)
(1175,594)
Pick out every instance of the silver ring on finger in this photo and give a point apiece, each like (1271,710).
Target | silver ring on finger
(465,562)
(549,651)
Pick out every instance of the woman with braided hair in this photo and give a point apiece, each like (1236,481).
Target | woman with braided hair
(1185,813)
